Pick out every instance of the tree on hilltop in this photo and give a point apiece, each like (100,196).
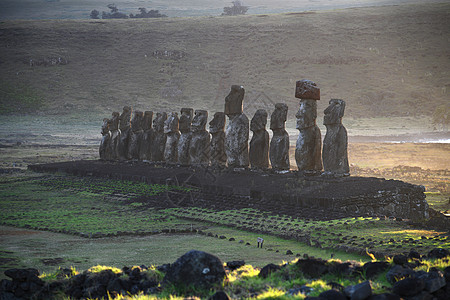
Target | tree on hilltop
(237,9)
(148,14)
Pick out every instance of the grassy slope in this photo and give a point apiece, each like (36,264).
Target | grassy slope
(382,60)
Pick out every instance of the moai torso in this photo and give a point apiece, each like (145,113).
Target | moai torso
(259,144)
(200,141)
(105,142)
(171,129)
(115,135)
(216,128)
(334,154)
(125,128)
(237,132)
(159,138)
(135,135)
(185,137)
(309,142)
(145,152)
(279,145)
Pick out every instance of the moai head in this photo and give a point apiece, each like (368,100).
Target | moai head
(136,122)
(158,122)
(259,120)
(234,100)
(172,123)
(334,112)
(105,126)
(217,124)
(186,119)
(125,118)
(307,89)
(306,114)
(199,121)
(114,121)
(279,116)
(148,119)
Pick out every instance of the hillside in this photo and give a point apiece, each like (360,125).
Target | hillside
(384,61)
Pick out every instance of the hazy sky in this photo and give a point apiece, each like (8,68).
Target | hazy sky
(80,9)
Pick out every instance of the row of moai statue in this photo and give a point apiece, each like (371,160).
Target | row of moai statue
(184,140)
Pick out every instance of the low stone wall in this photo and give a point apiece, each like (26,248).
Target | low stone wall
(291,193)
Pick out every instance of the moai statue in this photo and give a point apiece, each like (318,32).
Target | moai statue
(200,141)
(216,128)
(135,135)
(309,143)
(145,150)
(171,129)
(186,135)
(237,132)
(115,134)
(159,138)
(104,149)
(259,144)
(334,153)
(279,145)
(125,132)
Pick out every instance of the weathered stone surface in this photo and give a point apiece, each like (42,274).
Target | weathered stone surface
(217,130)
(220,295)
(200,141)
(438,253)
(408,287)
(259,144)
(279,145)
(125,131)
(135,135)
(334,154)
(312,268)
(359,291)
(332,295)
(309,143)
(145,152)
(159,137)
(235,264)
(171,129)
(237,132)
(104,149)
(186,135)
(115,135)
(268,269)
(234,100)
(307,89)
(196,268)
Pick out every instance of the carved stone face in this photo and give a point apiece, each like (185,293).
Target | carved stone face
(334,112)
(158,122)
(199,121)
(279,116)
(114,122)
(306,114)
(105,126)
(259,120)
(125,118)
(217,124)
(171,124)
(136,122)
(148,119)
(186,119)
(233,102)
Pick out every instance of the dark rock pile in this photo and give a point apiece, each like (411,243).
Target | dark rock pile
(201,270)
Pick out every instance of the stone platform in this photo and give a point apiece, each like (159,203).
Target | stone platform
(292,193)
